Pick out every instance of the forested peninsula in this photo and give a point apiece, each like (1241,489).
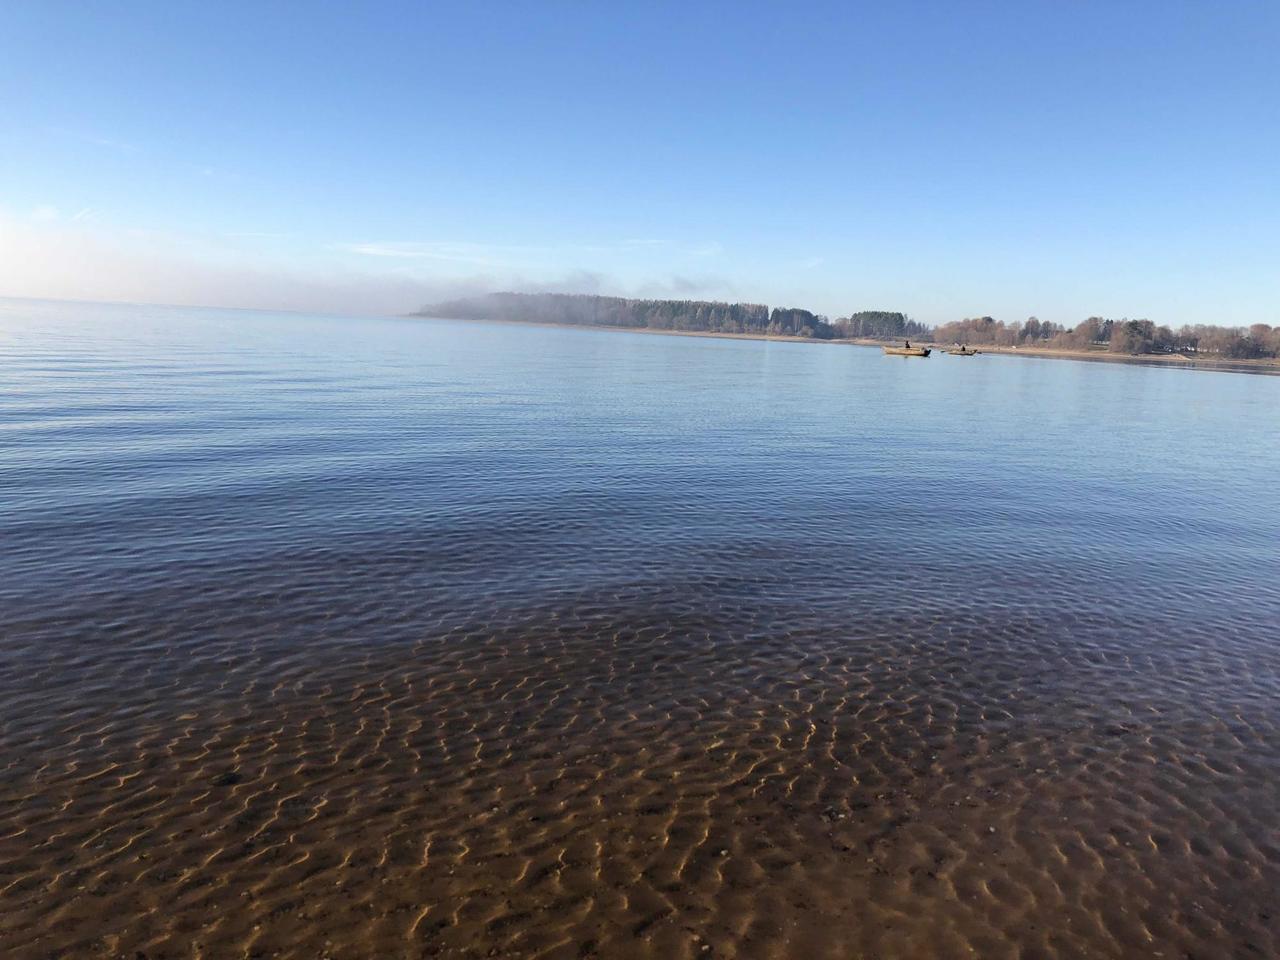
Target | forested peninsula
(1093,336)
(684,316)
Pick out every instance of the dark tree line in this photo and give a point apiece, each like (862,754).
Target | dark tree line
(880,325)
(795,322)
(684,315)
(703,316)
(593,311)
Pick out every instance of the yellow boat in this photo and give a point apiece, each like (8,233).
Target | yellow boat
(907,351)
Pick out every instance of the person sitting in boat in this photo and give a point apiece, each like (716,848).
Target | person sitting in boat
(907,344)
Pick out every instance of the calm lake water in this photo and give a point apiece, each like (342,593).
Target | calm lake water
(405,638)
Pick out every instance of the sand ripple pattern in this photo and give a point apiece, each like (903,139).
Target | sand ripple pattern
(403,669)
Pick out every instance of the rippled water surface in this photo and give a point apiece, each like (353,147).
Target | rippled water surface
(392,638)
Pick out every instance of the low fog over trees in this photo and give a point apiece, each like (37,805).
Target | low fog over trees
(596,311)
(685,315)
(593,311)
(1133,337)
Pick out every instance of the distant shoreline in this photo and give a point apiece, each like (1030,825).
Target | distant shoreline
(1221,364)
(650,330)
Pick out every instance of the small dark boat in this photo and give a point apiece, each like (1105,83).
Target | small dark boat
(962,352)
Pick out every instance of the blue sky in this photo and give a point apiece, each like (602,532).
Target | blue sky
(947,159)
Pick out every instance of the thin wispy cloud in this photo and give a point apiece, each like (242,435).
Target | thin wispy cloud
(110,143)
(482,254)
(449,252)
(682,286)
(138,264)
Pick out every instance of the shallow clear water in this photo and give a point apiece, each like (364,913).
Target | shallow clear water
(381,637)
